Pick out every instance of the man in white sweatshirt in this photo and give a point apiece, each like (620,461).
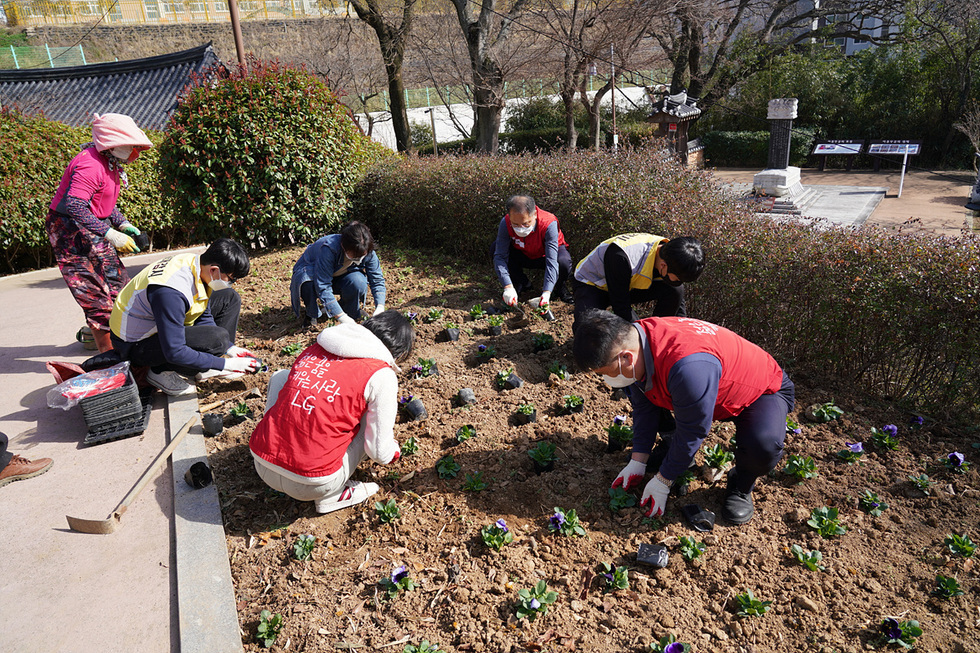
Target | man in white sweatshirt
(335,406)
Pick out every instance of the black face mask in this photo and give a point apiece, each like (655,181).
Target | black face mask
(667,281)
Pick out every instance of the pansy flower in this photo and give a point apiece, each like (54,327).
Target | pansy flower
(399,574)
(535,604)
(406,399)
(916,420)
(855,447)
(955,459)
(619,420)
(481,348)
(890,628)
(556,521)
(501,524)
(890,429)
(676,647)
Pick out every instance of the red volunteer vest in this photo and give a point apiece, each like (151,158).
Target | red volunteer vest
(747,371)
(317,414)
(533,244)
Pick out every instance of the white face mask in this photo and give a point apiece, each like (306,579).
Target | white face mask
(524,232)
(123,152)
(358,261)
(620,380)
(218,284)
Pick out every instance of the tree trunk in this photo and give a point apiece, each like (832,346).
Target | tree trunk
(399,108)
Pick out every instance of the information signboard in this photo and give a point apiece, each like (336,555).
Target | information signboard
(901,147)
(827,148)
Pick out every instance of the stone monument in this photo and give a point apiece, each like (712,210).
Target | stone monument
(974,204)
(779,179)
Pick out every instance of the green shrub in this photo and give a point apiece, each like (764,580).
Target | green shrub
(36,153)
(892,315)
(751,149)
(261,155)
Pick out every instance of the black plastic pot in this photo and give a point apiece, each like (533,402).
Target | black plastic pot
(521,418)
(513,382)
(494,330)
(415,410)
(613,445)
(434,370)
(548,316)
(466,397)
(541,469)
(213,424)
(577,409)
(198,476)
(142,241)
(452,334)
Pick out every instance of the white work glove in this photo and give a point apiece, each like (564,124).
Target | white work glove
(127,227)
(510,296)
(238,352)
(655,494)
(121,241)
(631,475)
(541,302)
(241,365)
(344,318)
(379,310)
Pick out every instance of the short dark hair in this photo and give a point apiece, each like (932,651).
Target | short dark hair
(395,331)
(598,334)
(523,203)
(355,237)
(230,257)
(684,257)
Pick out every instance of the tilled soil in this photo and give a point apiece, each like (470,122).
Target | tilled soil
(466,593)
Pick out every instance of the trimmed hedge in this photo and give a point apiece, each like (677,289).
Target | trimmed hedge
(36,153)
(751,149)
(896,316)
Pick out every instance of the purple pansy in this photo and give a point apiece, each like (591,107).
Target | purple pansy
(916,420)
(855,447)
(501,524)
(406,399)
(890,628)
(556,520)
(481,348)
(955,459)
(890,429)
(676,647)
(399,574)
(416,369)
(619,420)
(535,604)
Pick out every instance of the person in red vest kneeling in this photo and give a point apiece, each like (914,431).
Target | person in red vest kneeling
(529,238)
(335,406)
(702,372)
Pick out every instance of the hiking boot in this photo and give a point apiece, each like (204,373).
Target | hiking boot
(737,507)
(354,492)
(20,468)
(169,383)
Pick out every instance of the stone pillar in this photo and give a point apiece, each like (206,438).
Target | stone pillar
(779,179)
(974,204)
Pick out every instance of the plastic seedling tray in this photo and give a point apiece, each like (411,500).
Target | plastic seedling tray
(119,430)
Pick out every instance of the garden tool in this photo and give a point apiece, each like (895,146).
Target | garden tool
(111,523)
(251,392)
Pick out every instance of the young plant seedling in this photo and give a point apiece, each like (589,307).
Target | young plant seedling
(500,380)
(477,312)
(544,454)
(916,422)
(433,315)
(452,331)
(617,578)
(496,536)
(809,559)
(239,410)
(825,412)
(447,468)
(495,320)
(565,522)
(718,457)
(560,370)
(902,633)
(269,627)
(921,482)
(947,587)
(485,352)
(669,644)
(410,446)
(465,432)
(960,545)
(956,463)
(426,367)
(852,453)
(423,647)
(399,581)
(800,468)
(691,548)
(793,427)
(620,498)
(526,409)
(534,601)
(619,431)
(749,606)
(824,521)
(870,503)
(526,413)
(885,438)
(474,482)
(572,404)
(292,349)
(387,512)
(303,547)
(542,341)
(411,316)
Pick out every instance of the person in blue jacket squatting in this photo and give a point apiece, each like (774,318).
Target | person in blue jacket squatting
(703,372)
(529,238)
(342,264)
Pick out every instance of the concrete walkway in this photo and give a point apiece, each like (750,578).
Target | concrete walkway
(161,582)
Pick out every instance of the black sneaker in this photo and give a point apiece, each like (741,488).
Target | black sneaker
(738,507)
(564,295)
(309,322)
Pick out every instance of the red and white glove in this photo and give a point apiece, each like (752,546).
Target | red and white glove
(239,352)
(631,475)
(544,301)
(398,454)
(655,494)
(241,365)
(510,296)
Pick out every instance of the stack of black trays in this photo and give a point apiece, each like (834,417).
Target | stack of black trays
(116,414)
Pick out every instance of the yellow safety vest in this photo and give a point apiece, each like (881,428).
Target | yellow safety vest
(641,250)
(132,317)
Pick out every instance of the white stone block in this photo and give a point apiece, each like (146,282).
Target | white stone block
(778,183)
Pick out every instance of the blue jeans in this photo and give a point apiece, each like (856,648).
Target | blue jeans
(352,288)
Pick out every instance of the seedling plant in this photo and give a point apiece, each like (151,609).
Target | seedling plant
(691,548)
(485,352)
(947,587)
(423,647)
(960,545)
(809,559)
(620,498)
(426,367)
(827,412)
(902,633)
(870,503)
(303,547)
(800,467)
(387,512)
(465,432)
(669,644)
(852,453)
(544,454)
(542,341)
(398,582)
(433,315)
(496,535)
(560,370)
(410,446)
(793,427)
(292,349)
(619,431)
(749,606)
(495,320)
(571,403)
(451,325)
(534,601)
(617,578)
(921,482)
(956,463)
(447,468)
(824,521)
(885,438)
(474,483)
(239,410)
(718,457)
(526,409)
(477,312)
(565,522)
(500,381)
(269,627)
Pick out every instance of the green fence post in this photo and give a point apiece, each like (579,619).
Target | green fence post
(82,52)
(13,54)
(48,50)
(428,102)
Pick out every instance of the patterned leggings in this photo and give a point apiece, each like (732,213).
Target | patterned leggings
(89,265)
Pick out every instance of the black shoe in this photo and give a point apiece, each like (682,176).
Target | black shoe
(309,322)
(738,507)
(565,296)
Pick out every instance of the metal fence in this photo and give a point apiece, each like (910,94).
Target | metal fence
(41,56)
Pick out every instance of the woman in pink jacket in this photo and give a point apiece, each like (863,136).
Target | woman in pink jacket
(85,227)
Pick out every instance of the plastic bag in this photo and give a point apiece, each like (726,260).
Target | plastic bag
(69,393)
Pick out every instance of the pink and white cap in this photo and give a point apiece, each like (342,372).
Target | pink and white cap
(114,129)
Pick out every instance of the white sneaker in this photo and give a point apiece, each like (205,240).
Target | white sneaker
(218,374)
(170,383)
(354,492)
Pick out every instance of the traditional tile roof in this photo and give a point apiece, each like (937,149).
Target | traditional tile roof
(679,106)
(145,89)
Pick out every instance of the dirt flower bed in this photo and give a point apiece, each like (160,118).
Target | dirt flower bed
(460,593)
